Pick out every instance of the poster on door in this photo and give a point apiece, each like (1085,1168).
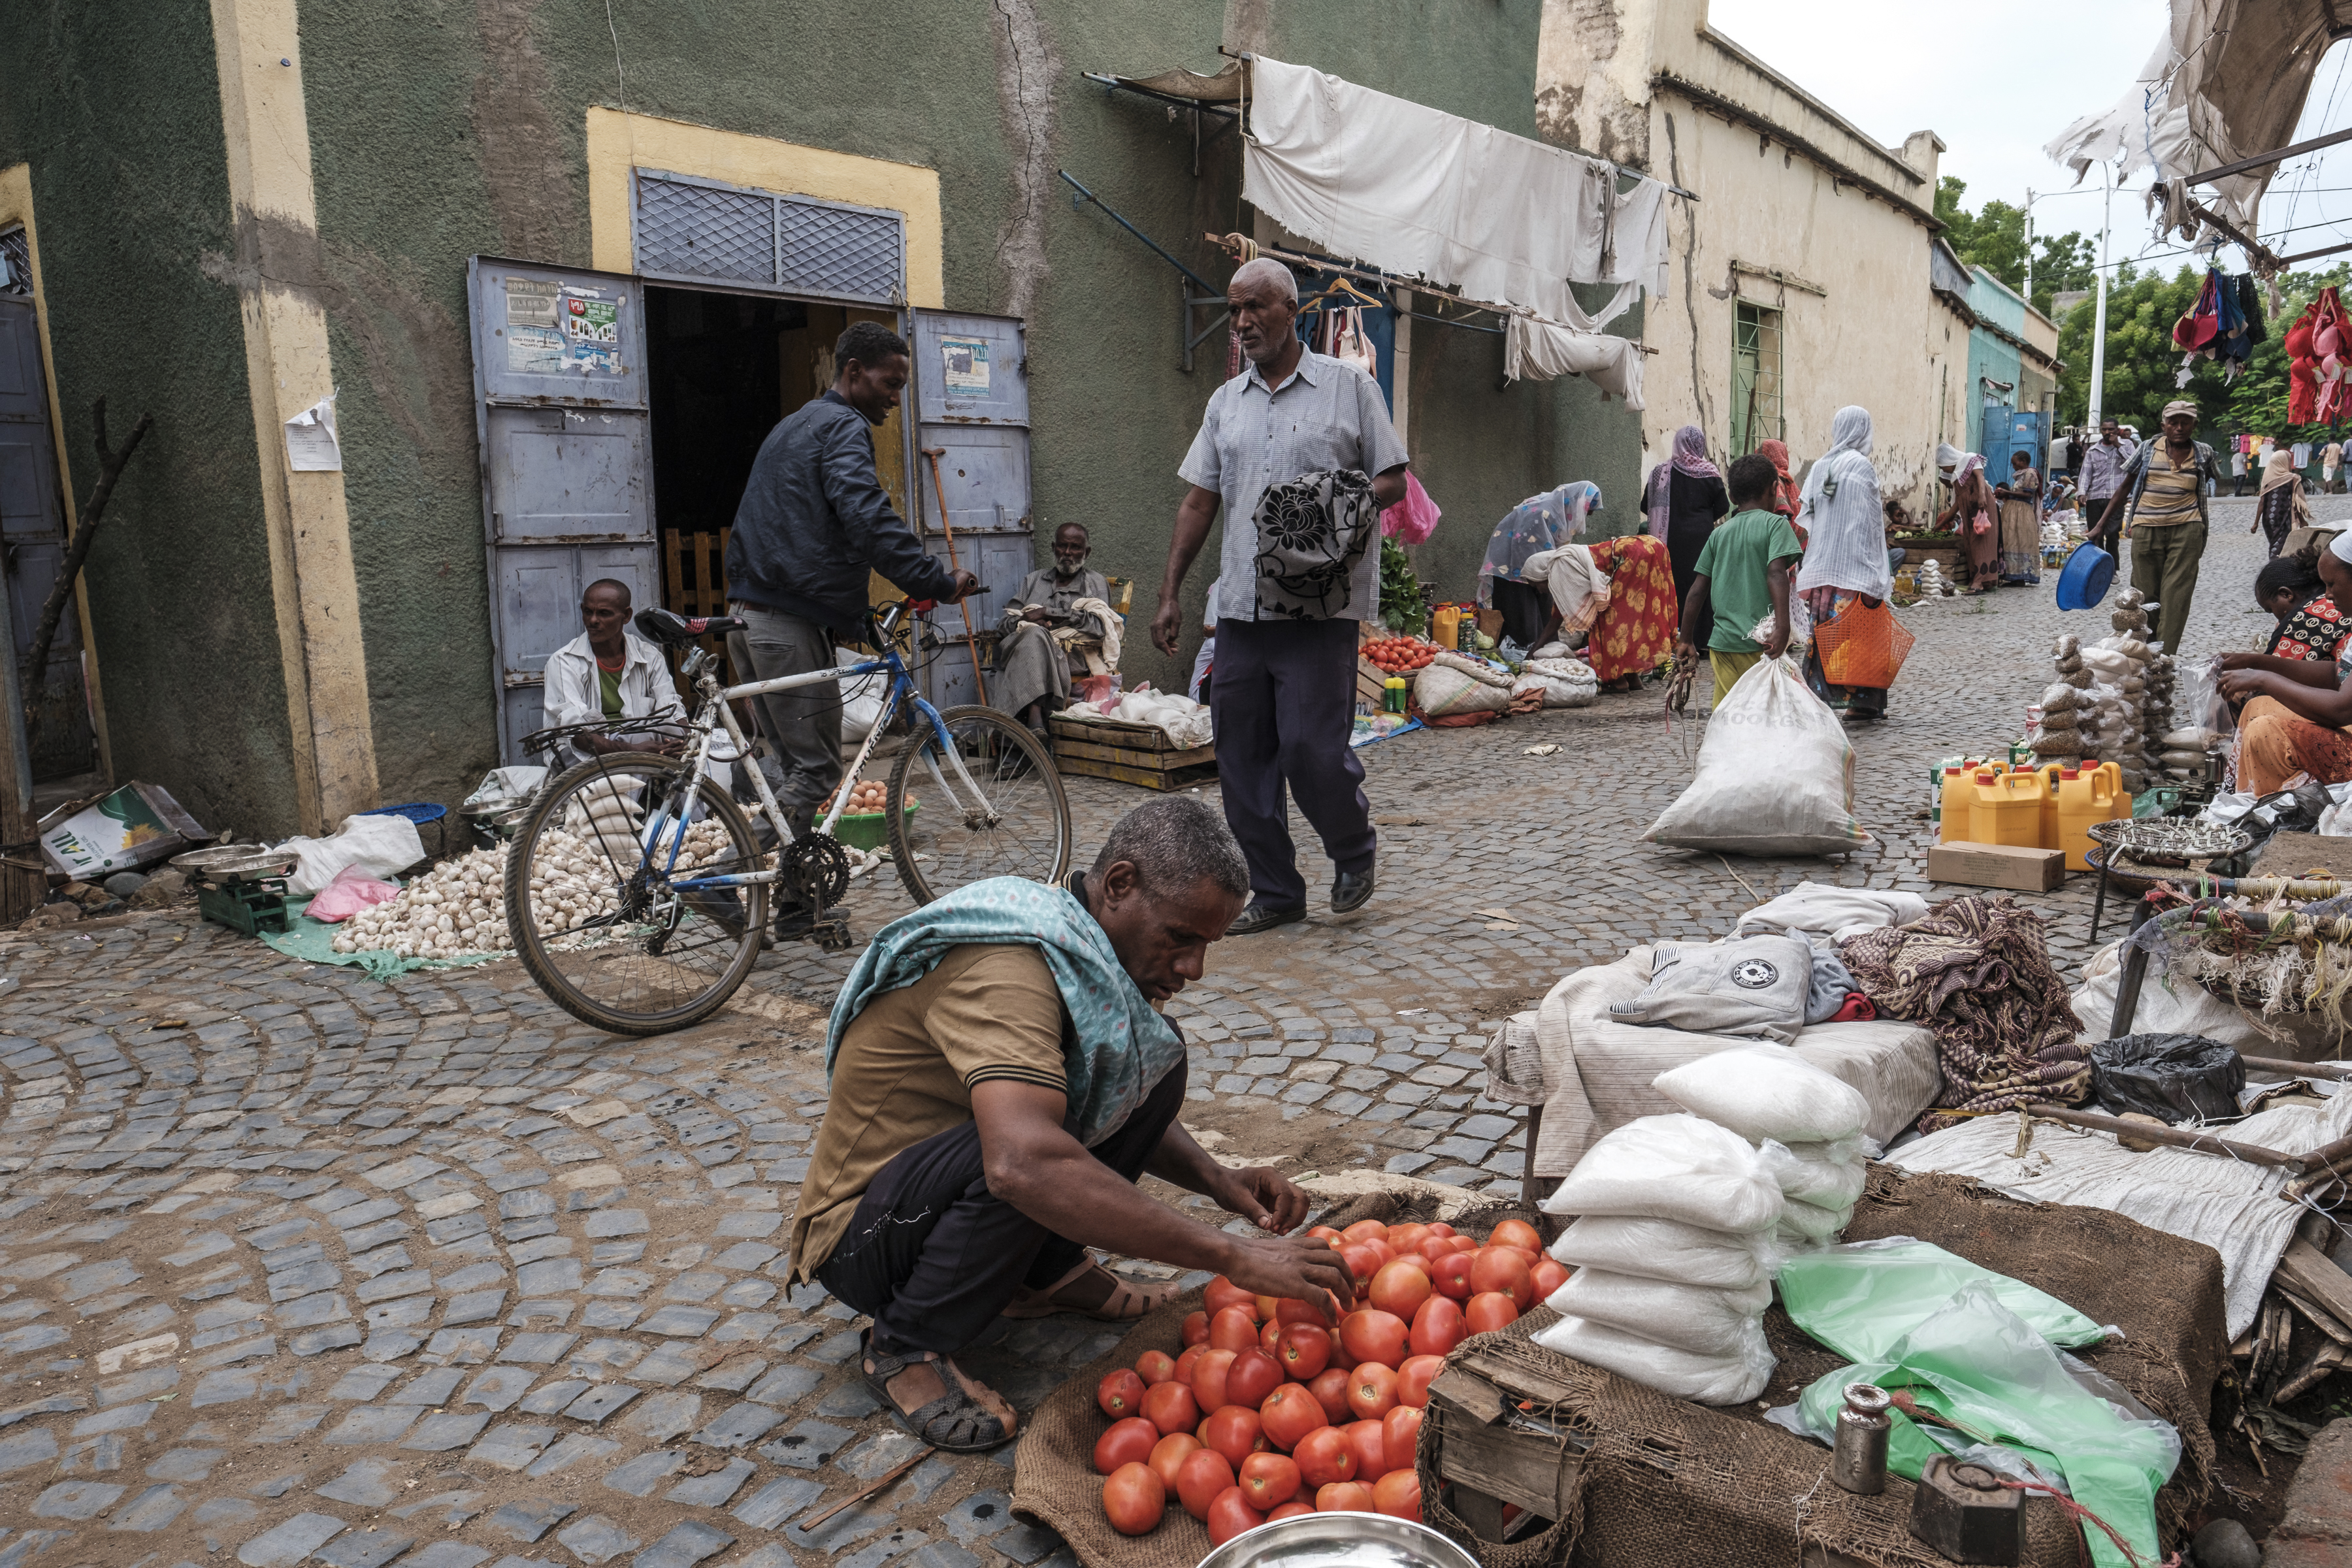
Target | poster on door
(591,330)
(966,366)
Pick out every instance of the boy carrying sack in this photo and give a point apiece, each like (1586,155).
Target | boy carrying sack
(1743,574)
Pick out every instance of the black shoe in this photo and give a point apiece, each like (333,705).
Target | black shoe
(794,921)
(1350,890)
(1258,917)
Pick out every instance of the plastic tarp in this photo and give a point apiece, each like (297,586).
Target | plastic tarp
(2226,81)
(1976,1363)
(312,941)
(1862,1297)
(2232,1206)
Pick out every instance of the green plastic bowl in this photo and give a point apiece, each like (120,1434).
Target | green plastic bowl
(868,830)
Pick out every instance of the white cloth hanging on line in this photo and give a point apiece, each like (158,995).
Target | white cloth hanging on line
(1542,349)
(1421,194)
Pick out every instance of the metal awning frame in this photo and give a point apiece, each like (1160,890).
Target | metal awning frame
(1228,117)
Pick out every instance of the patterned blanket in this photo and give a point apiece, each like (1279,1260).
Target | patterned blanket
(1977,972)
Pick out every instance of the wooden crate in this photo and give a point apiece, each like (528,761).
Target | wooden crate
(1486,1454)
(694,572)
(1131,753)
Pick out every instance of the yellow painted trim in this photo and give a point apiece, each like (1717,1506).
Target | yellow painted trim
(314,585)
(16,207)
(619,143)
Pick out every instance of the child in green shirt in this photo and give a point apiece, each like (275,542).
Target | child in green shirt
(1745,573)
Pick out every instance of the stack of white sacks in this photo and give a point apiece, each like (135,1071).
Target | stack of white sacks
(1682,1221)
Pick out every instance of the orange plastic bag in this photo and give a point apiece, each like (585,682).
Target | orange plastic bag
(1862,647)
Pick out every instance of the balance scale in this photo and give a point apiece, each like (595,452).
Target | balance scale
(240,886)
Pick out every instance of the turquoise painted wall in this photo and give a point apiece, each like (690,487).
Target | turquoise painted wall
(442,128)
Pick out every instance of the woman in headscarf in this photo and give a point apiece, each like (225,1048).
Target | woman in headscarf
(1537,530)
(1684,500)
(2280,509)
(1845,578)
(1786,499)
(2021,522)
(1634,631)
(1969,514)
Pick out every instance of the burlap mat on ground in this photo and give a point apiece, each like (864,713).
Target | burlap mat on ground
(1668,1483)
(1054,1478)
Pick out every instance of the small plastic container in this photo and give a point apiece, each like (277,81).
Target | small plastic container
(2093,794)
(1443,622)
(1957,818)
(2008,809)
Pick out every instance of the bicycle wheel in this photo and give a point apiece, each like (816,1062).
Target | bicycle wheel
(600,925)
(1018,826)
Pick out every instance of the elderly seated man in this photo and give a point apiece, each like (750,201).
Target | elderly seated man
(1001,1078)
(1059,626)
(610,673)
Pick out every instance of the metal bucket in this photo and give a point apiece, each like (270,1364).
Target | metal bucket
(1340,1541)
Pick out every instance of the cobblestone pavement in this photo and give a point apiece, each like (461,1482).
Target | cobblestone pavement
(298,1266)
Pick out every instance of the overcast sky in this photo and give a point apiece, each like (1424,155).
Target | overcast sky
(2000,77)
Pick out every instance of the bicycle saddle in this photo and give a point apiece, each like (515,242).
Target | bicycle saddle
(671,629)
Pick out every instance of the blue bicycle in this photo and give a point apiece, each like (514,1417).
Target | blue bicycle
(636,888)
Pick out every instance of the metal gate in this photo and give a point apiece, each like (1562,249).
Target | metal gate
(32,542)
(567,461)
(971,407)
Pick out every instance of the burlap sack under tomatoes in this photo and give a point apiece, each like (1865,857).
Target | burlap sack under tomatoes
(1452,687)
(1775,774)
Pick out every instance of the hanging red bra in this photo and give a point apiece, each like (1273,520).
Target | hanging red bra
(2318,347)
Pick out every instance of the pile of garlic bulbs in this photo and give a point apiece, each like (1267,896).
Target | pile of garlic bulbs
(458,908)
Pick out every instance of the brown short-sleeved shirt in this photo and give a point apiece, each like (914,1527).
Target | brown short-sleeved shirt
(907,1068)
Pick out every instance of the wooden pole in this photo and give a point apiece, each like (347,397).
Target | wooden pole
(970,640)
(2152,1132)
(110,464)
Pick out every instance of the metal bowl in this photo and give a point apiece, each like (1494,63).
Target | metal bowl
(1340,1541)
(252,866)
(196,862)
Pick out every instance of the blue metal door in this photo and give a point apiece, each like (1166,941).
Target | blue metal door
(567,462)
(1997,423)
(971,407)
(32,542)
(2029,434)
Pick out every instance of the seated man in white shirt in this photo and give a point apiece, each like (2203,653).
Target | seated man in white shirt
(609,672)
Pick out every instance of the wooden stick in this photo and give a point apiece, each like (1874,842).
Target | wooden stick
(2328,1153)
(2203,1143)
(808,1526)
(2285,1069)
(110,464)
(971,639)
(2327,1358)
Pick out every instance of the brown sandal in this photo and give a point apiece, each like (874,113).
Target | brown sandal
(1127,1300)
(958,1422)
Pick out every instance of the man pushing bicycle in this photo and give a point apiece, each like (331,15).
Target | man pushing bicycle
(814,520)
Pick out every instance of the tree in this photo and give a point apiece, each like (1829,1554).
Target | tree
(1994,240)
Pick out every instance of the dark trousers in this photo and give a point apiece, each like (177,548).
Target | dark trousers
(932,1256)
(2108,538)
(1526,609)
(1285,706)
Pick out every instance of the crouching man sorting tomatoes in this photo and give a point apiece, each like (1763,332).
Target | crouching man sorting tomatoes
(1001,1078)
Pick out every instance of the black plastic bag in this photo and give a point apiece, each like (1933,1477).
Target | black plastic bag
(2175,1077)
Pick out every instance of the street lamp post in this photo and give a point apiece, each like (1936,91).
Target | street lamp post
(2097,401)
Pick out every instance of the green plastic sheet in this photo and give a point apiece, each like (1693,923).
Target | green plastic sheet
(1976,1363)
(1861,1298)
(313,942)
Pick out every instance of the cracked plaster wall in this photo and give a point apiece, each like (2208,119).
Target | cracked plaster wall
(445,128)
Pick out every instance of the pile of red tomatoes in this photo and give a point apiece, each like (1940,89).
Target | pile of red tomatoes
(1273,1411)
(1398,656)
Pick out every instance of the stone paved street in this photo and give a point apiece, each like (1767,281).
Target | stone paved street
(298,1266)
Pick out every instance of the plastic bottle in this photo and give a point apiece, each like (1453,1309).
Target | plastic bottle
(2008,809)
(1393,688)
(1957,818)
(2049,774)
(2090,795)
(1442,624)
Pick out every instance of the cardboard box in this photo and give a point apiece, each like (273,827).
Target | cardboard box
(1998,866)
(135,827)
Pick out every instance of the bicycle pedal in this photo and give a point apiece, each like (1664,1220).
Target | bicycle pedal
(831,934)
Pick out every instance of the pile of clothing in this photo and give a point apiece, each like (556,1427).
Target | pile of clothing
(2224,324)
(1977,972)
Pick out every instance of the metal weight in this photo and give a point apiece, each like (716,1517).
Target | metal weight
(1858,1461)
(1964,1512)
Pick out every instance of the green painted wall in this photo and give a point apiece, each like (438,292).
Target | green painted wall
(121,127)
(441,129)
